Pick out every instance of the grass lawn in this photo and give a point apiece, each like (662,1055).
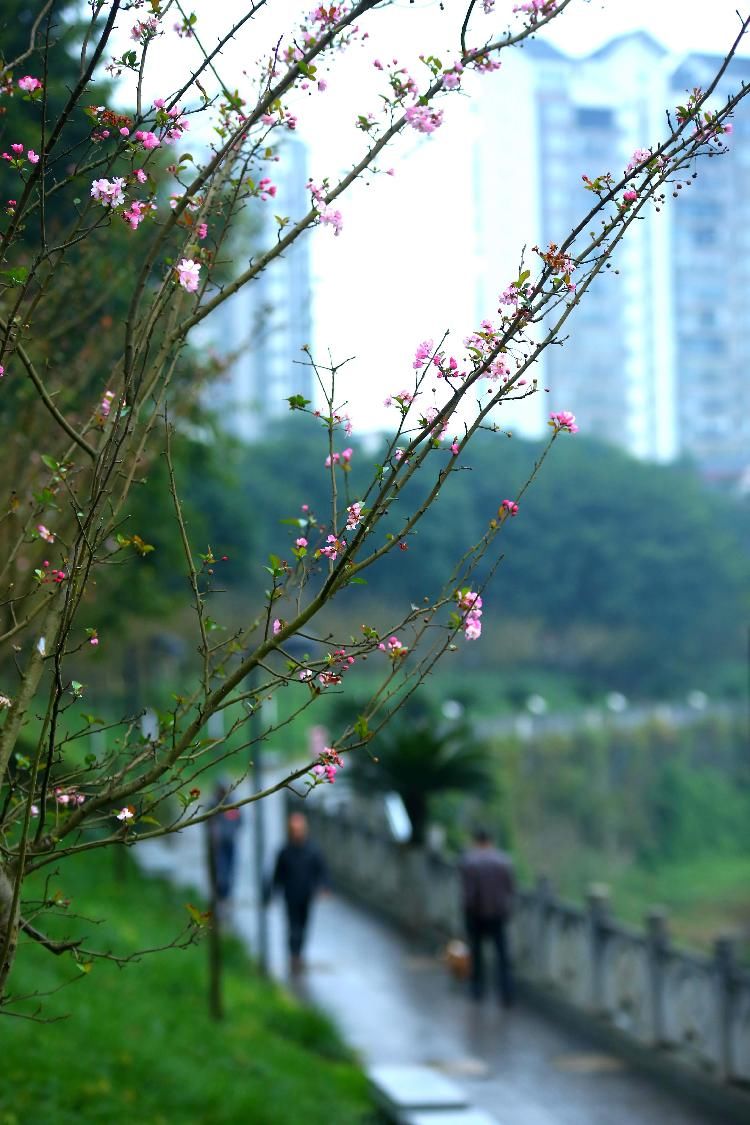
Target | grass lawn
(137,1044)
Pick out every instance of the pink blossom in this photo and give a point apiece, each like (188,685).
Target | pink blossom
(455,449)
(630,196)
(135,214)
(140,175)
(17,148)
(510,507)
(124,131)
(423,354)
(354,515)
(94,641)
(639,156)
(125,814)
(45,533)
(277,626)
(188,274)
(148,140)
(322,85)
(393,648)
(109,193)
(2,370)
(202,231)
(333,547)
(29,84)
(346,454)
(330,218)
(106,404)
(472,626)
(301,542)
(424,118)
(563,420)
(32,157)
(469,599)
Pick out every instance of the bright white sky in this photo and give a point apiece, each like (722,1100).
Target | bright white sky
(397,273)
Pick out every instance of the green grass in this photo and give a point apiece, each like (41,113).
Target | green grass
(137,1044)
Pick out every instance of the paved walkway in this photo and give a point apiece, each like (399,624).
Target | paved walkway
(394,1004)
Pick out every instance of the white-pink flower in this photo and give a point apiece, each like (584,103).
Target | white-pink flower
(45,533)
(29,84)
(188,274)
(110,193)
(125,814)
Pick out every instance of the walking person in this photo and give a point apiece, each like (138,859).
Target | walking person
(223,830)
(300,873)
(488,888)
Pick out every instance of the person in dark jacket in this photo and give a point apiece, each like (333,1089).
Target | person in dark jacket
(300,872)
(488,888)
(223,829)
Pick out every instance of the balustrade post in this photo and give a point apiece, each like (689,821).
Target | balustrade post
(657,944)
(724,972)
(597,912)
(540,936)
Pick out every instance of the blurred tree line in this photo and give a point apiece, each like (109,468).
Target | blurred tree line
(618,574)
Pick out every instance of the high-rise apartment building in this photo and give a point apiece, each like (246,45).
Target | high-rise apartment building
(658,353)
(263,328)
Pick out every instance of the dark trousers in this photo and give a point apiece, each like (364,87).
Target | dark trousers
(297,913)
(224,858)
(478,930)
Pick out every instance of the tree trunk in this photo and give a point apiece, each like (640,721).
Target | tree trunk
(9,921)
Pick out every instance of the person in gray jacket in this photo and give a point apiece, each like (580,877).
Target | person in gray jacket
(488,888)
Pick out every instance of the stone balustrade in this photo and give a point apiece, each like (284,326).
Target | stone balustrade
(693,1008)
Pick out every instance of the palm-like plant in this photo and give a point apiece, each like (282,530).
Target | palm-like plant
(420,758)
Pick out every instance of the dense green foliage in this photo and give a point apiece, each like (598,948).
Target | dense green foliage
(660,812)
(138,1043)
(617,574)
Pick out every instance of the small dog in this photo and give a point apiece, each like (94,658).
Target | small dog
(457,959)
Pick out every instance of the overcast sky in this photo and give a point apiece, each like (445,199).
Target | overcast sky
(398,272)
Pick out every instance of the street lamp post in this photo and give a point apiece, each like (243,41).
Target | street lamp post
(259,829)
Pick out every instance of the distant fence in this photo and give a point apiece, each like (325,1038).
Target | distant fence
(692,1008)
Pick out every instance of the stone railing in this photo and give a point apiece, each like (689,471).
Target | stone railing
(692,1008)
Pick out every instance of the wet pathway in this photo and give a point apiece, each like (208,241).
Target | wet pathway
(394,1004)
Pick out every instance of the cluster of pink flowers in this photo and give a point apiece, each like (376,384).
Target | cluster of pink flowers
(329,764)
(327,215)
(333,547)
(136,213)
(266,189)
(638,157)
(354,515)
(19,155)
(343,458)
(423,354)
(144,29)
(403,399)
(509,507)
(45,575)
(69,798)
(424,118)
(188,274)
(148,139)
(470,603)
(29,84)
(45,533)
(110,193)
(537,7)
(394,649)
